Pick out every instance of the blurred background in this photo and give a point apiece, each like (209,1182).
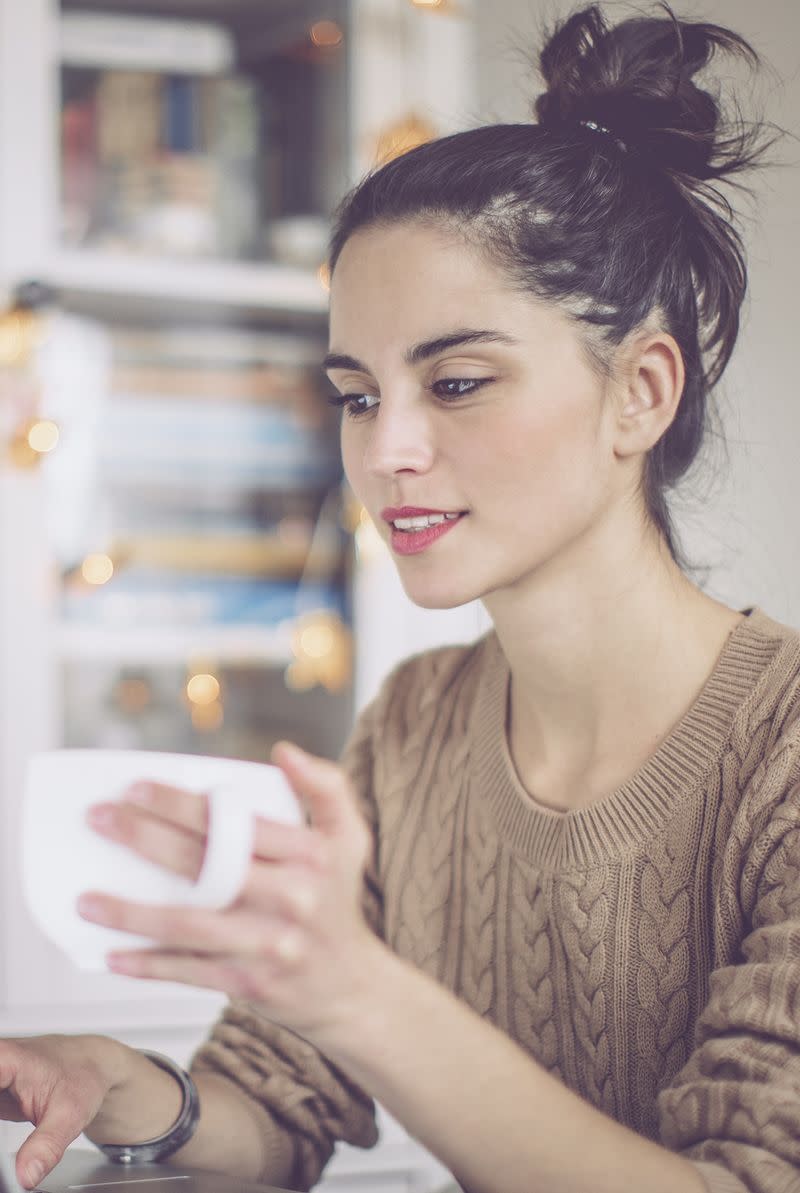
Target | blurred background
(182,566)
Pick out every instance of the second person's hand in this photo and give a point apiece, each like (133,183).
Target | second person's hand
(58,1083)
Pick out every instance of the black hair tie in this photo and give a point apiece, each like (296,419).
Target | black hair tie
(594,127)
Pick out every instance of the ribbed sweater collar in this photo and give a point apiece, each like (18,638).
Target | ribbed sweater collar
(636,810)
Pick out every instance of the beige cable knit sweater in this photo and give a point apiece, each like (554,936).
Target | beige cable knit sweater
(645,948)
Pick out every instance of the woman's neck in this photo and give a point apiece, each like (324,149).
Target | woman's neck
(597,681)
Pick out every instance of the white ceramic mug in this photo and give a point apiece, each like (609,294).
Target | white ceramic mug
(62,856)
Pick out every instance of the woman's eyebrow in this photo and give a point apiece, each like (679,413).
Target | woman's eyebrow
(426,348)
(453,339)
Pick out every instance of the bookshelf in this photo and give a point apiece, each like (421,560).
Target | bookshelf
(214,594)
(139,276)
(264,290)
(227,644)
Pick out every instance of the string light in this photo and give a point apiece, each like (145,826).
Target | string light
(322,646)
(327,35)
(203,696)
(32,439)
(97,569)
(317,640)
(20,334)
(203,689)
(401,136)
(25,436)
(43,435)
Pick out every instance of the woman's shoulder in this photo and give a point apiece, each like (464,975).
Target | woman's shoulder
(762,762)
(772,705)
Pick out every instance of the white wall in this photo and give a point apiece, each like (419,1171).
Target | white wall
(744,525)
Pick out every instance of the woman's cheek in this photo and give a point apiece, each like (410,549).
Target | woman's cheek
(352,455)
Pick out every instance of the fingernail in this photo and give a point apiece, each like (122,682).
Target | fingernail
(34,1173)
(121,963)
(101,816)
(294,752)
(140,793)
(89,907)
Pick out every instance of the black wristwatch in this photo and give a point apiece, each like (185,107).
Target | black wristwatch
(179,1133)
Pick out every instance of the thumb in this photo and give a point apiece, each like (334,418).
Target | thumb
(45,1146)
(322,787)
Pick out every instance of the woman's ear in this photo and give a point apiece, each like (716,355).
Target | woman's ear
(653,376)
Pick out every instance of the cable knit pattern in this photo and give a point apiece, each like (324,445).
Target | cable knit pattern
(645,947)
(583,914)
(533,1020)
(664,965)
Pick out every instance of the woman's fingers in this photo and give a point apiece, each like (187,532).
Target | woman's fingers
(156,839)
(183,851)
(275,841)
(168,825)
(286,899)
(185,809)
(60,1124)
(237,977)
(325,792)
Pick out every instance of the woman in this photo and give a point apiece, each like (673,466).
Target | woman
(547,911)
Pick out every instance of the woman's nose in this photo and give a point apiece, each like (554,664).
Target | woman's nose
(399,439)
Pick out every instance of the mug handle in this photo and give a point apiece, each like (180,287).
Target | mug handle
(229,850)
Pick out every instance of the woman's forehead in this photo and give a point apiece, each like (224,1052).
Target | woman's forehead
(393,292)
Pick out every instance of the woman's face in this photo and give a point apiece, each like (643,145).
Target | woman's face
(467,398)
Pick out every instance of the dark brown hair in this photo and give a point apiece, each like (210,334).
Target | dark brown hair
(609,205)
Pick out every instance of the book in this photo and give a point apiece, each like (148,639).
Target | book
(251,383)
(128,106)
(141,598)
(230,114)
(227,445)
(272,556)
(181,129)
(176,158)
(228,346)
(79,168)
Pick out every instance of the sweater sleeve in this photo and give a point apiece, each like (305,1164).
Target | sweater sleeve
(304,1103)
(734,1108)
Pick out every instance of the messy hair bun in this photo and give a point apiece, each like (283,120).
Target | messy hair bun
(637,79)
(610,205)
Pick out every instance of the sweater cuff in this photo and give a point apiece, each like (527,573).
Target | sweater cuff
(719,1180)
(278,1154)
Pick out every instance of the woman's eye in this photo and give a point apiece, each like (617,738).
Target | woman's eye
(447,389)
(353,404)
(457,387)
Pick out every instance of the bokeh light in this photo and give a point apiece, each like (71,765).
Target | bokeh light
(326,34)
(43,435)
(97,569)
(203,689)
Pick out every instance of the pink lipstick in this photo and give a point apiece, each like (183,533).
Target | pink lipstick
(410,540)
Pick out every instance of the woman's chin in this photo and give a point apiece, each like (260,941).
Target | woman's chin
(445,597)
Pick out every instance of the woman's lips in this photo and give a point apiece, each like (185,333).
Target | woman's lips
(411,542)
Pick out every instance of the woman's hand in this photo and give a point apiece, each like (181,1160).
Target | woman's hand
(59,1084)
(295,940)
